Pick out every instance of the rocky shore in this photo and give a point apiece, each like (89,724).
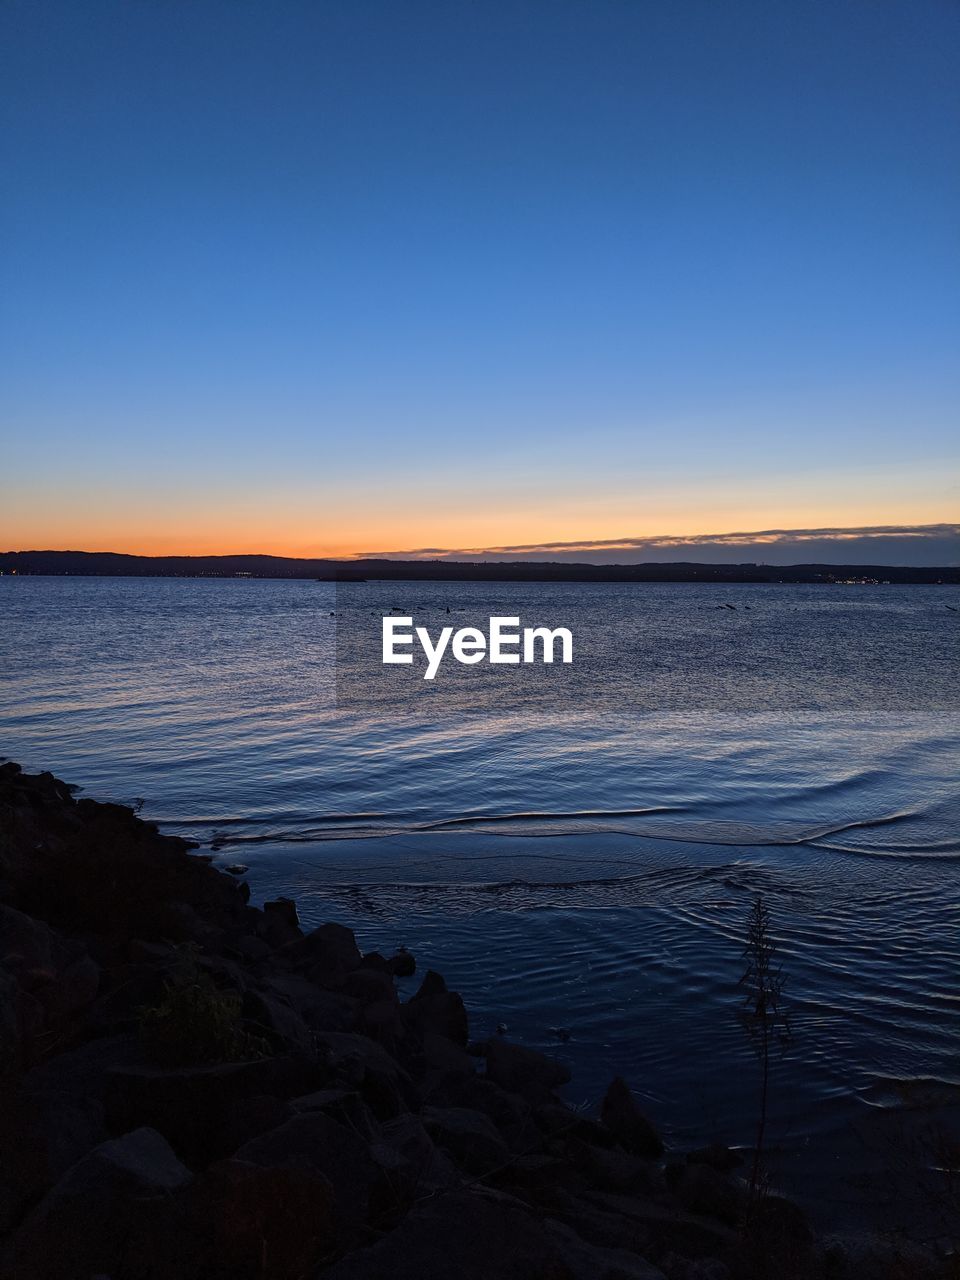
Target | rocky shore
(191,1086)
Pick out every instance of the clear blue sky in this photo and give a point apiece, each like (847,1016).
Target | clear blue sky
(352,275)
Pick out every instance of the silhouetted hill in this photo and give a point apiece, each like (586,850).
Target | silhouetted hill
(115,564)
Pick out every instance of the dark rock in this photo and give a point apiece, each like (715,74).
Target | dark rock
(592,1262)
(698,1269)
(279,924)
(126,991)
(320,1009)
(357,1062)
(48,981)
(98,869)
(10,1022)
(382,1022)
(196,1108)
(508,1112)
(243,1119)
(252,948)
(443,1061)
(345,1106)
(717,1156)
(437,1010)
(330,951)
(469,1136)
(286,909)
(371,985)
(104,1208)
(557,1120)
(631,1128)
(779,1228)
(480,1237)
(282,1026)
(596,1224)
(524,1071)
(617,1170)
(162,954)
(701,1189)
(402,965)
(41,1136)
(25,944)
(424,1167)
(261,1223)
(668,1227)
(89,1070)
(311,1140)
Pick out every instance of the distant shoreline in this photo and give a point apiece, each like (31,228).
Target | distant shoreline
(114,564)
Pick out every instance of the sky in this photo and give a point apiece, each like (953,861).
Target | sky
(325,277)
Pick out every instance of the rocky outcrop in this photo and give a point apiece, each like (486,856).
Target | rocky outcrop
(191,1086)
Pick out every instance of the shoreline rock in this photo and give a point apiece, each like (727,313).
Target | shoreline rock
(191,1086)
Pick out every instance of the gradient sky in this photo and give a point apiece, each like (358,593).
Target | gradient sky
(335,275)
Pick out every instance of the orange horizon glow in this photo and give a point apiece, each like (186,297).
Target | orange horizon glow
(424,539)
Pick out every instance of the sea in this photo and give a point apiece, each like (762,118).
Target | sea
(576,847)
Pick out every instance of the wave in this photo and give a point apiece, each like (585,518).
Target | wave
(646,823)
(470,819)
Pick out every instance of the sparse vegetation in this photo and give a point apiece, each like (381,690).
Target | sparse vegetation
(763,1016)
(196,1023)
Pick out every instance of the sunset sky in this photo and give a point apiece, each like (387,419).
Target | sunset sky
(335,276)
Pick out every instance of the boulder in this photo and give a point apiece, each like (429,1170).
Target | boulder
(371,985)
(357,1062)
(25,944)
(274,1019)
(596,1262)
(555,1119)
(425,1168)
(666,1226)
(524,1071)
(9,1021)
(443,1061)
(279,925)
(313,1141)
(319,1008)
(509,1113)
(330,951)
(41,1135)
(402,964)
(435,1009)
(478,1236)
(88,1071)
(381,1021)
(102,1213)
(285,909)
(701,1189)
(344,1106)
(253,1222)
(469,1136)
(631,1128)
(613,1169)
(199,1109)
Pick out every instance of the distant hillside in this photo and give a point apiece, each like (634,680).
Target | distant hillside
(114,564)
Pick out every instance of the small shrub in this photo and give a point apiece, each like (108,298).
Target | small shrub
(196,1024)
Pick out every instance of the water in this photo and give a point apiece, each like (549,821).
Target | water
(575,848)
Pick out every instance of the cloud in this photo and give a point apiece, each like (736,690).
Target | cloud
(930,544)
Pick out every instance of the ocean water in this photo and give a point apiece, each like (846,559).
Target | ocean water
(575,847)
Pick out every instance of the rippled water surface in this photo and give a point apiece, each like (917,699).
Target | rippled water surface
(574,847)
